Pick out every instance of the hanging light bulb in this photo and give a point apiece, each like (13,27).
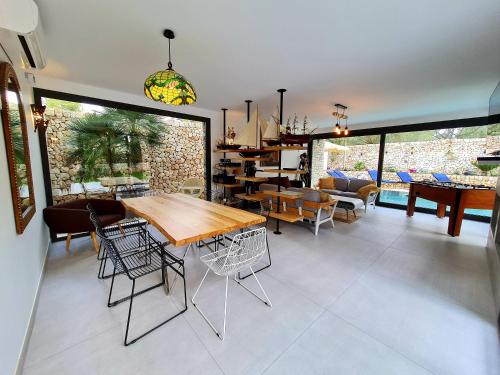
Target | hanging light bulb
(337,128)
(346,129)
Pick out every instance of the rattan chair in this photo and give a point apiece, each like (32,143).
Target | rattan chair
(245,251)
(138,255)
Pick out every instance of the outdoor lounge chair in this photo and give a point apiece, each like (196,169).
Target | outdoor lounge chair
(374,175)
(441,177)
(405,177)
(337,174)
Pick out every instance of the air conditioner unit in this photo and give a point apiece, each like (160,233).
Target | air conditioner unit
(33,54)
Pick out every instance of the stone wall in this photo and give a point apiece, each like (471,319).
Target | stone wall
(317,162)
(181,156)
(450,156)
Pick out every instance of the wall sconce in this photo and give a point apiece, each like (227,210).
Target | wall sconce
(38,117)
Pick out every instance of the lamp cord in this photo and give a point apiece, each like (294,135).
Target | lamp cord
(169,60)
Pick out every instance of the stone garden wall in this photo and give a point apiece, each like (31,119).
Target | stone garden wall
(181,156)
(450,156)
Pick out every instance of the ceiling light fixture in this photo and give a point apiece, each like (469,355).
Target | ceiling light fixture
(167,85)
(339,114)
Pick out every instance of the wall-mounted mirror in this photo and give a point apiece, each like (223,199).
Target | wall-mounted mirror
(16,145)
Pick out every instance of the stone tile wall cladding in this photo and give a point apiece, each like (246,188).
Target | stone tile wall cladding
(450,156)
(181,156)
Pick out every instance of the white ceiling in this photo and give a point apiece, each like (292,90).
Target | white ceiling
(386,60)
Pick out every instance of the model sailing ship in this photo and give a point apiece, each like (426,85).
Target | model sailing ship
(295,136)
(259,133)
(251,135)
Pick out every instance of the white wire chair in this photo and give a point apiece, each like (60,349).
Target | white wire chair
(246,249)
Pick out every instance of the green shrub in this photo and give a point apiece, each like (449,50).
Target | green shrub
(359,166)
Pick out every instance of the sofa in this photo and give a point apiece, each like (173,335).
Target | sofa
(351,188)
(314,206)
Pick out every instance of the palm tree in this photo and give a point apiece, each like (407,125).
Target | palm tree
(95,138)
(112,136)
(138,130)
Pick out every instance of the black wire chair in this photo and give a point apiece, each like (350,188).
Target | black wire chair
(130,227)
(137,256)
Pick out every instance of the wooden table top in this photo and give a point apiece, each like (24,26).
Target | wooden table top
(184,219)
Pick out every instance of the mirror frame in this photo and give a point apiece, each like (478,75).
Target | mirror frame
(22,218)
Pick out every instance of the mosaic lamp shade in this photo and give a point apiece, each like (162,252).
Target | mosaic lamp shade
(169,87)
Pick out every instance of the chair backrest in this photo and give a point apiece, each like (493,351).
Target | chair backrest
(152,193)
(405,177)
(373,174)
(94,218)
(332,173)
(246,249)
(114,255)
(194,182)
(341,174)
(441,177)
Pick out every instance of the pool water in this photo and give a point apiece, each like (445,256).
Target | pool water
(401,197)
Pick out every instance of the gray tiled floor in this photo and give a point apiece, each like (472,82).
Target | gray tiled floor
(385,295)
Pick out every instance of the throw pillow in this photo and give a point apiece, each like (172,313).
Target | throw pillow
(366,190)
(327,183)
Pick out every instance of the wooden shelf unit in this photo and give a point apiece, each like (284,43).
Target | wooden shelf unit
(285,148)
(283,171)
(251,179)
(226,151)
(228,185)
(252,159)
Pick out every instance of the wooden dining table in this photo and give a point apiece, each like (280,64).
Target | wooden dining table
(184,219)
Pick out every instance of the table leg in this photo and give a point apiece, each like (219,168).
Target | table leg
(456,216)
(441,210)
(412,198)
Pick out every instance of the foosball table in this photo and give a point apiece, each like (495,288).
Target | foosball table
(457,196)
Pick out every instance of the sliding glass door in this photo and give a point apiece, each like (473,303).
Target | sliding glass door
(445,155)
(349,157)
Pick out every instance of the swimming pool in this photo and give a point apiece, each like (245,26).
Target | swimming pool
(401,197)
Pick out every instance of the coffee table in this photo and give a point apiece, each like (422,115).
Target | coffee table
(348,204)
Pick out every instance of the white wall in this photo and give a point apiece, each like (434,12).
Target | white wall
(21,256)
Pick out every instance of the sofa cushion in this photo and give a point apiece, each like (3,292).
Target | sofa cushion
(356,183)
(326,183)
(341,184)
(330,191)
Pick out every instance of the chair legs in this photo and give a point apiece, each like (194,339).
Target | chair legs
(267,301)
(68,243)
(133,294)
(94,241)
